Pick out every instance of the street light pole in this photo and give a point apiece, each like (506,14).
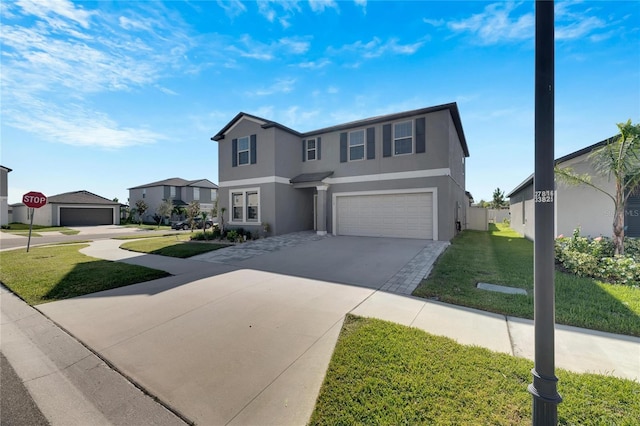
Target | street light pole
(543,389)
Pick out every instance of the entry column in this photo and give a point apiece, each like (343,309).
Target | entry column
(321,210)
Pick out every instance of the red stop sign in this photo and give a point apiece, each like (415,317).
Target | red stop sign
(34,199)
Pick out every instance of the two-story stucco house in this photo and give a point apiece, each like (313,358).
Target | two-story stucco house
(576,206)
(397,175)
(180,191)
(4,204)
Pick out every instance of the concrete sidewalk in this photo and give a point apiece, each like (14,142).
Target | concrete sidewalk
(222,344)
(70,384)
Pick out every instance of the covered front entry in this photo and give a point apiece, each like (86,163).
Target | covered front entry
(82,216)
(401,215)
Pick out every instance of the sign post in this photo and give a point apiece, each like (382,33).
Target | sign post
(33,200)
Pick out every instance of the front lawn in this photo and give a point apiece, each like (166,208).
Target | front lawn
(501,256)
(148,226)
(388,374)
(173,246)
(23,229)
(46,274)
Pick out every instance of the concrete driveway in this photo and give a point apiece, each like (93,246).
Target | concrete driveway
(247,345)
(228,343)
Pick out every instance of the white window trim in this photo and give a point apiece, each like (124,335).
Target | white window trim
(248,150)
(433,190)
(172,192)
(244,222)
(196,191)
(364,145)
(308,150)
(393,139)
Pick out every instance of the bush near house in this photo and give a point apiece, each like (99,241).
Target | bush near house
(593,257)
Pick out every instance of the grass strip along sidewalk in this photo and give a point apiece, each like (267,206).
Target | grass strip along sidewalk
(46,274)
(501,256)
(388,374)
(174,246)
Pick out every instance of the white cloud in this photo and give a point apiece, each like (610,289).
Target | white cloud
(315,64)
(319,6)
(278,10)
(376,48)
(506,22)
(495,24)
(280,86)
(363,4)
(295,45)
(56,61)
(250,48)
(232,8)
(433,22)
(579,29)
(333,90)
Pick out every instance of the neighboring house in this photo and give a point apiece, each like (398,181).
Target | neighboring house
(398,175)
(576,206)
(79,208)
(180,191)
(4,206)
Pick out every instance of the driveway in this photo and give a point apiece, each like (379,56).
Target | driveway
(250,343)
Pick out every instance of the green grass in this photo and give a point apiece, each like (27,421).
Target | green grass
(387,374)
(46,274)
(142,236)
(501,256)
(22,229)
(148,227)
(174,246)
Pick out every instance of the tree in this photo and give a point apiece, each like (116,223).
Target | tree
(164,210)
(204,214)
(141,207)
(619,159)
(498,199)
(193,209)
(483,204)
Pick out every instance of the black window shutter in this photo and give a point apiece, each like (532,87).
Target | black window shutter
(421,145)
(318,145)
(371,143)
(386,140)
(234,152)
(304,150)
(253,149)
(343,147)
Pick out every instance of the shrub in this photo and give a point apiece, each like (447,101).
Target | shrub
(232,235)
(594,258)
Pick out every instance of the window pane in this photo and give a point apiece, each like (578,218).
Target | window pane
(252,206)
(196,193)
(403,130)
(236,200)
(356,152)
(311,155)
(311,144)
(356,138)
(243,157)
(403,146)
(243,144)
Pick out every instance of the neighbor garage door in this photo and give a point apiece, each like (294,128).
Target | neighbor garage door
(388,215)
(78,216)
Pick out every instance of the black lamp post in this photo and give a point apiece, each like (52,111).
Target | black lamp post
(543,388)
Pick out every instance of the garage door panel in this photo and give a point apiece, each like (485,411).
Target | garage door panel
(79,216)
(388,215)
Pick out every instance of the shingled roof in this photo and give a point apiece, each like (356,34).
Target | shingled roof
(80,197)
(200,183)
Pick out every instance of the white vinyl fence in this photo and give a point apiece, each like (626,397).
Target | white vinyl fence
(479,218)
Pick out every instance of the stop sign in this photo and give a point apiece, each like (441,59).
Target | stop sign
(34,199)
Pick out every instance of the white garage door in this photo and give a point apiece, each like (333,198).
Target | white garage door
(388,215)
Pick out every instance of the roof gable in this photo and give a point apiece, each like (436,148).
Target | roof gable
(79,197)
(265,124)
(202,183)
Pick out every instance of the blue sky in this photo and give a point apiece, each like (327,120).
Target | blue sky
(108,95)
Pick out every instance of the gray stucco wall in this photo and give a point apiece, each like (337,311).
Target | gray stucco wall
(279,158)
(521,209)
